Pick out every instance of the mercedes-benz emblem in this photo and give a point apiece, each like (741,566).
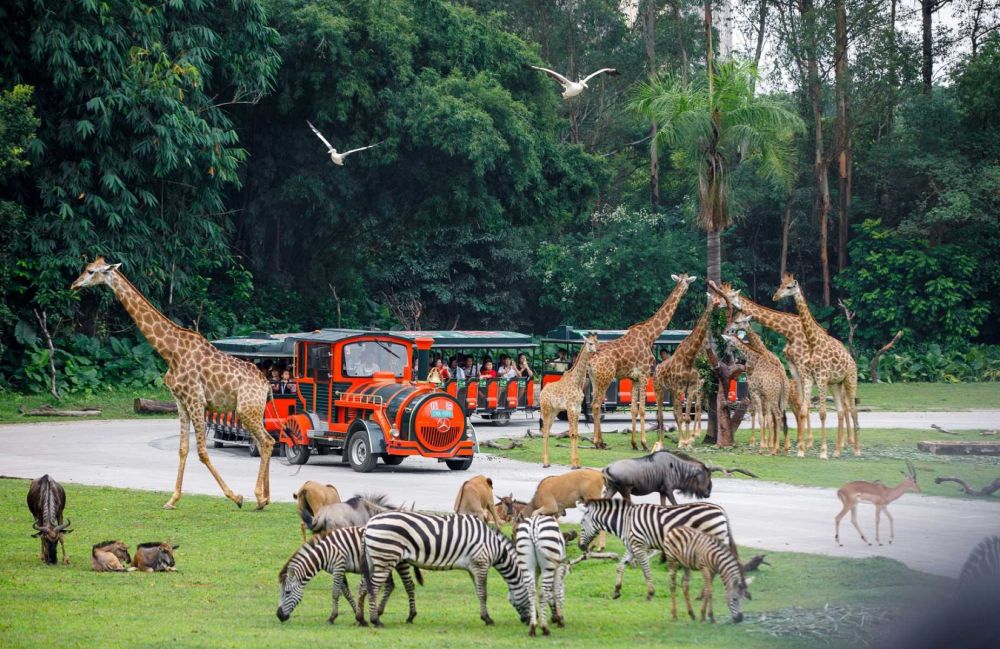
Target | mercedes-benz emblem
(443,425)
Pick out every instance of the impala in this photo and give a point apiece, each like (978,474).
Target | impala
(877,494)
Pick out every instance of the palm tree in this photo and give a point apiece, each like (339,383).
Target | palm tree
(711,127)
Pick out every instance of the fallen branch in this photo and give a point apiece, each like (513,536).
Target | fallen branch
(153,406)
(873,368)
(988,490)
(47,410)
(755,563)
(729,472)
(492,444)
(987,433)
(942,430)
(594,555)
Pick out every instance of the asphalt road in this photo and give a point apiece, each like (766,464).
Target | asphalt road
(933,534)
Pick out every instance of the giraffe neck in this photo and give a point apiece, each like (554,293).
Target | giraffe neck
(651,329)
(810,327)
(754,341)
(752,355)
(785,324)
(690,346)
(576,376)
(161,332)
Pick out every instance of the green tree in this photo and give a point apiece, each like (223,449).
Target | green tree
(711,128)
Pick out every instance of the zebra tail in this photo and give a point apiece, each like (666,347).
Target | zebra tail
(419,576)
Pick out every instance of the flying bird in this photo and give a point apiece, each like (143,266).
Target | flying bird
(338,158)
(572,88)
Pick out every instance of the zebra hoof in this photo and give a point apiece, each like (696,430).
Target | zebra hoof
(488,620)
(359,622)
(531,632)
(617,594)
(331,619)
(409,620)
(545,630)
(378,624)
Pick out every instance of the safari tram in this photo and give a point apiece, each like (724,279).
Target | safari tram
(355,395)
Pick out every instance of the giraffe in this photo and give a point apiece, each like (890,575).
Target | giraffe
(794,401)
(679,375)
(199,377)
(831,365)
(768,387)
(797,352)
(567,394)
(630,357)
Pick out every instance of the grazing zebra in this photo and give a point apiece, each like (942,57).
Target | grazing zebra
(442,543)
(641,527)
(982,568)
(337,552)
(542,550)
(694,550)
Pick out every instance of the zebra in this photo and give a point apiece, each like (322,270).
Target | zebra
(982,567)
(641,528)
(542,550)
(337,552)
(694,550)
(442,543)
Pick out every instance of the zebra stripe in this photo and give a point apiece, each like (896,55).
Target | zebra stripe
(982,568)
(442,543)
(337,552)
(542,550)
(641,527)
(695,550)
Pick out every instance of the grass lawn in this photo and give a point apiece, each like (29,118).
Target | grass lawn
(113,404)
(929,396)
(883,452)
(226,590)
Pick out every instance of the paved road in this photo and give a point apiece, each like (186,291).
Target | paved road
(933,535)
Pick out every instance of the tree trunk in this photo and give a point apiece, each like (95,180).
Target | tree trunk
(714,249)
(761,23)
(893,79)
(843,135)
(708,51)
(574,121)
(679,23)
(786,227)
(822,202)
(649,27)
(926,12)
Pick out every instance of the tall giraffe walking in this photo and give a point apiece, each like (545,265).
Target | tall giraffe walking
(200,378)
(631,357)
(832,367)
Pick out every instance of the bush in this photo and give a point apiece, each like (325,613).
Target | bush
(932,363)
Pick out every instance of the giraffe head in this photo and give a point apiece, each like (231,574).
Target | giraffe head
(683,277)
(741,323)
(789,287)
(590,342)
(728,293)
(96,273)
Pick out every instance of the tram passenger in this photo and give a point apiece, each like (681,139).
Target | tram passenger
(487,372)
(274,378)
(482,365)
(467,370)
(452,366)
(507,369)
(286,385)
(523,369)
(439,373)
(561,361)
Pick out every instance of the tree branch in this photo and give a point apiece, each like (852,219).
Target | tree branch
(873,368)
(988,490)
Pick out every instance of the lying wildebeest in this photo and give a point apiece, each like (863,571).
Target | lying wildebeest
(661,472)
(475,497)
(510,509)
(354,512)
(312,496)
(558,493)
(155,557)
(110,556)
(46,500)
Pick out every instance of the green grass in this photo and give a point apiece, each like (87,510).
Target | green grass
(113,404)
(883,452)
(226,591)
(929,396)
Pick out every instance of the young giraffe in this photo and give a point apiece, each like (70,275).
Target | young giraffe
(199,377)
(679,375)
(567,394)
(832,366)
(797,352)
(768,388)
(630,357)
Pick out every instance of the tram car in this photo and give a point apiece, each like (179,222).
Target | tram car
(356,396)
(493,399)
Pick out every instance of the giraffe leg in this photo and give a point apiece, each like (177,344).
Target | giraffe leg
(850,394)
(838,401)
(599,390)
(678,411)
(642,414)
(634,415)
(697,417)
(254,421)
(547,416)
(202,442)
(658,392)
(821,388)
(182,412)
(574,437)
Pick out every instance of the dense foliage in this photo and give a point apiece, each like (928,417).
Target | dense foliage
(172,137)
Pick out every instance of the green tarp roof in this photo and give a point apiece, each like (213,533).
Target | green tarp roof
(460,339)
(567,334)
(259,344)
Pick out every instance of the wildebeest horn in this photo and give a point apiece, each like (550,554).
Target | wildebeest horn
(37,528)
(715,469)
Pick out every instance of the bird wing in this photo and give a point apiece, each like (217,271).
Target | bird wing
(555,75)
(370,146)
(611,71)
(320,136)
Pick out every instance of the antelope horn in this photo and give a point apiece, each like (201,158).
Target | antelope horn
(912,470)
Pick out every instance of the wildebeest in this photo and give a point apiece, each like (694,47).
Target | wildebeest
(510,509)
(661,472)
(312,496)
(475,497)
(46,500)
(110,556)
(155,557)
(354,512)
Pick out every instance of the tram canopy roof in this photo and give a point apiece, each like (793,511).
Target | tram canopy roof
(568,334)
(258,344)
(461,339)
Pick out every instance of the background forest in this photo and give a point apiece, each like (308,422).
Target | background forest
(172,137)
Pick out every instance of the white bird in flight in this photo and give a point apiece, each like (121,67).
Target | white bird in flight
(338,158)
(572,88)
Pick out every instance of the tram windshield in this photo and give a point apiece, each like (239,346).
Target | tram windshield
(365,358)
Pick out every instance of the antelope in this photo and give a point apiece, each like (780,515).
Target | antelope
(877,494)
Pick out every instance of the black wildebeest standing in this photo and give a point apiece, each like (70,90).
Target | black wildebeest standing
(154,557)
(661,472)
(46,500)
